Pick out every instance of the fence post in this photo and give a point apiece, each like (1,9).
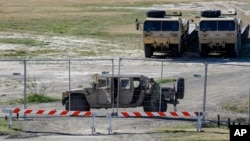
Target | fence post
(198,125)
(110,123)
(93,123)
(10,119)
(25,86)
(205,91)
(218,122)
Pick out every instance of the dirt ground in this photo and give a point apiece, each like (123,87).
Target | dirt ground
(230,79)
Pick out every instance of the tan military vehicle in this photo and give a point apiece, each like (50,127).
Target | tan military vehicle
(221,34)
(168,34)
(120,91)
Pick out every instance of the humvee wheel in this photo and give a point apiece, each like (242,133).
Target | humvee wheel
(148,51)
(146,104)
(149,107)
(180,88)
(77,102)
(163,106)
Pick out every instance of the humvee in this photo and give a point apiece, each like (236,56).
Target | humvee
(120,91)
(166,33)
(221,33)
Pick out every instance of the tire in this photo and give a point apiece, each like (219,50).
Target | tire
(210,13)
(178,53)
(203,51)
(146,104)
(180,88)
(77,102)
(231,51)
(147,107)
(156,14)
(148,51)
(163,106)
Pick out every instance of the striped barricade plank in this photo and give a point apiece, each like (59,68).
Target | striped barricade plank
(157,114)
(51,112)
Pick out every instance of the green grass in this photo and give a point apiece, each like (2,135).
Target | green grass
(166,80)
(187,132)
(241,106)
(4,130)
(36,98)
(83,25)
(23,53)
(23,41)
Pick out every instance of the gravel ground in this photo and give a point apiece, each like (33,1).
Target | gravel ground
(227,83)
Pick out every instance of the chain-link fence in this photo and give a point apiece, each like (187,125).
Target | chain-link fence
(49,78)
(210,86)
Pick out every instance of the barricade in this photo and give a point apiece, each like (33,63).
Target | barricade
(10,111)
(196,115)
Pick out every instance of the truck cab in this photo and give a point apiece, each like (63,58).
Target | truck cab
(168,34)
(220,34)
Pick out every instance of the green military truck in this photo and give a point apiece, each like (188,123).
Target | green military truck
(120,91)
(221,34)
(166,33)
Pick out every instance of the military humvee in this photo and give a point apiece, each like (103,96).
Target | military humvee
(120,91)
(166,33)
(221,34)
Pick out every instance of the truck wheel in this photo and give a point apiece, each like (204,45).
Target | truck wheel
(146,104)
(178,53)
(203,51)
(180,88)
(231,51)
(77,102)
(210,13)
(148,51)
(163,106)
(156,13)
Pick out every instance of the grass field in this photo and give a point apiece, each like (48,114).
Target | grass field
(101,19)
(112,21)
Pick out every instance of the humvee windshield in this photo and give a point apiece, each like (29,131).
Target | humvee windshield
(217,25)
(161,26)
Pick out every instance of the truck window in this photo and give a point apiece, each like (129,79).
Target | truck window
(226,25)
(125,83)
(208,25)
(136,83)
(103,83)
(170,26)
(152,26)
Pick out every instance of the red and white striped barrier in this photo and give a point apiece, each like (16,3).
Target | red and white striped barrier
(49,112)
(90,114)
(158,114)
(55,113)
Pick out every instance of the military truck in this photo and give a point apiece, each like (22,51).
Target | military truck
(166,33)
(221,34)
(121,91)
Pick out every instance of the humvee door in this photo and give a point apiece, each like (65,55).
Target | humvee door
(104,91)
(126,91)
